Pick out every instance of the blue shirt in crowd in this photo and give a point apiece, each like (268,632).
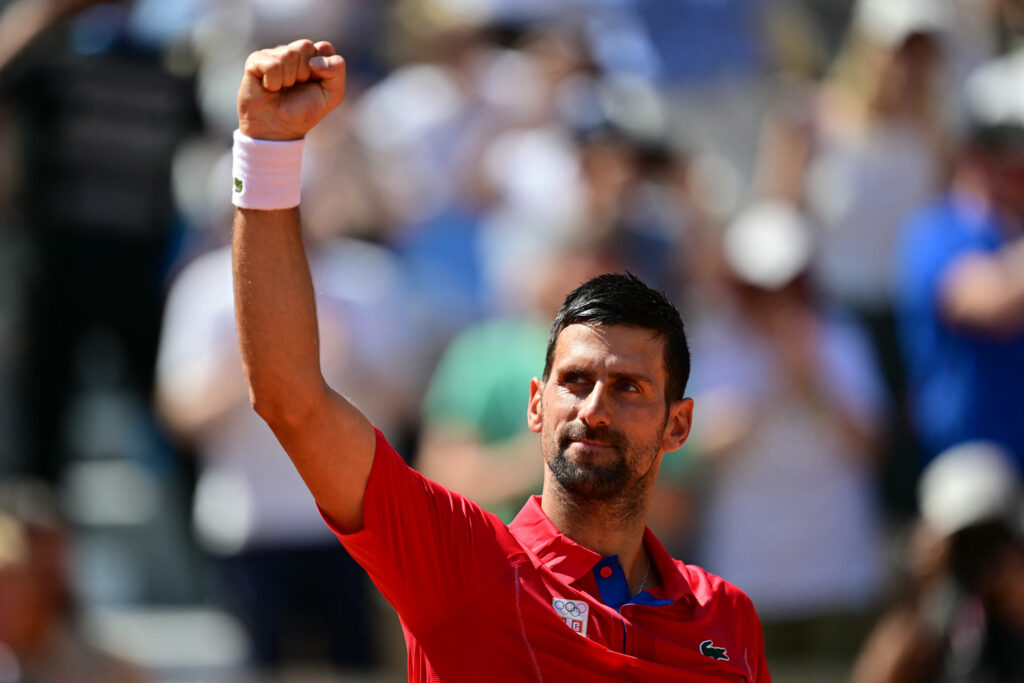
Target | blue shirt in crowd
(963,385)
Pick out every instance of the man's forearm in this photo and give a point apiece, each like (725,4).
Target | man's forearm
(276,312)
(985,292)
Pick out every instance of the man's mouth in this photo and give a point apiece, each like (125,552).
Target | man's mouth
(588,438)
(590,443)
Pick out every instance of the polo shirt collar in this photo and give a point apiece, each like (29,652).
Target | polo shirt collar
(570,561)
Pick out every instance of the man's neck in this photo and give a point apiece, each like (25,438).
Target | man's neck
(606,527)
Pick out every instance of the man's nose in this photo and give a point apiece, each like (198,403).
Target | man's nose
(594,408)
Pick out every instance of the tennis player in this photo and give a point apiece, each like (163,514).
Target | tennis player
(576,588)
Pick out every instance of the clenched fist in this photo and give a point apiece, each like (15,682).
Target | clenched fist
(287,90)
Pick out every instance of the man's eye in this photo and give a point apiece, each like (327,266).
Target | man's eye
(574,379)
(629,387)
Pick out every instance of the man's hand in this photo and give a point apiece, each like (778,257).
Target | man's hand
(287,90)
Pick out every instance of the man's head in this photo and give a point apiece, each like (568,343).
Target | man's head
(35,592)
(993,157)
(610,402)
(623,299)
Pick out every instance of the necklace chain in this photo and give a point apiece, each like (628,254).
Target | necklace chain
(647,572)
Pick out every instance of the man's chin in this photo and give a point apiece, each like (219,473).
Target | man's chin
(586,481)
(589,491)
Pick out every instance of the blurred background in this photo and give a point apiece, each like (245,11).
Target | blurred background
(831,191)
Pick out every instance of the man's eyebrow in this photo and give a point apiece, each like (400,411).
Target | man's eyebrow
(618,376)
(631,377)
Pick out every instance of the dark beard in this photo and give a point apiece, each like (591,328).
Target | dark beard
(590,482)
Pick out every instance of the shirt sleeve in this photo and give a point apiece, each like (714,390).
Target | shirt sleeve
(927,250)
(427,549)
(756,637)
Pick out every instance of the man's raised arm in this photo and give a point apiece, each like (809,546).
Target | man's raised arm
(285,91)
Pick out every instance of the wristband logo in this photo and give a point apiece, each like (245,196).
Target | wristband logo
(238,185)
(574,612)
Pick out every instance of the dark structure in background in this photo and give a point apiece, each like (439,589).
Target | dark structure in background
(100,118)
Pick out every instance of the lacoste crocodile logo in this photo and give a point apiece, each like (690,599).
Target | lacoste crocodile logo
(708,649)
(238,184)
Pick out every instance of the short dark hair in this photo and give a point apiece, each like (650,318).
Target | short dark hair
(623,299)
(996,138)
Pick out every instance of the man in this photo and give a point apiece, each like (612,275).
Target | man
(961,278)
(40,637)
(575,588)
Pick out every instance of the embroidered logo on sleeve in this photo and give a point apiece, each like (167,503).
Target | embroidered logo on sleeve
(238,184)
(708,649)
(574,612)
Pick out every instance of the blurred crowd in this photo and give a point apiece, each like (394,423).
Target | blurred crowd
(831,191)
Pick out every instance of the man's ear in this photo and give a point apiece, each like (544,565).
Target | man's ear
(677,428)
(534,411)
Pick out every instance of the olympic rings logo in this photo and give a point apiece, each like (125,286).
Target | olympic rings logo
(570,608)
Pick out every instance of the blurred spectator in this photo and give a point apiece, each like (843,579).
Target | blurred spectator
(516,138)
(423,125)
(24,21)
(714,62)
(636,189)
(474,438)
(863,150)
(281,569)
(99,120)
(610,172)
(449,135)
(789,403)
(40,641)
(962,618)
(878,153)
(961,290)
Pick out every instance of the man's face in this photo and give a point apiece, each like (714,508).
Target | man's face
(602,415)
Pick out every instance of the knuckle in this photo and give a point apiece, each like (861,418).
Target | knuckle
(256,59)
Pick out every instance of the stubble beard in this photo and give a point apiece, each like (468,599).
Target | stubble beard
(589,482)
(614,482)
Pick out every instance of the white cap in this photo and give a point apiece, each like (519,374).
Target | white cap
(768,244)
(994,92)
(890,22)
(969,483)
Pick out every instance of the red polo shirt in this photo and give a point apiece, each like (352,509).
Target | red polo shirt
(480,601)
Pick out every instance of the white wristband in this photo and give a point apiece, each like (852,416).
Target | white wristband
(267,173)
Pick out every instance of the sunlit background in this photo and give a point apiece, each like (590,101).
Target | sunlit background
(757,160)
